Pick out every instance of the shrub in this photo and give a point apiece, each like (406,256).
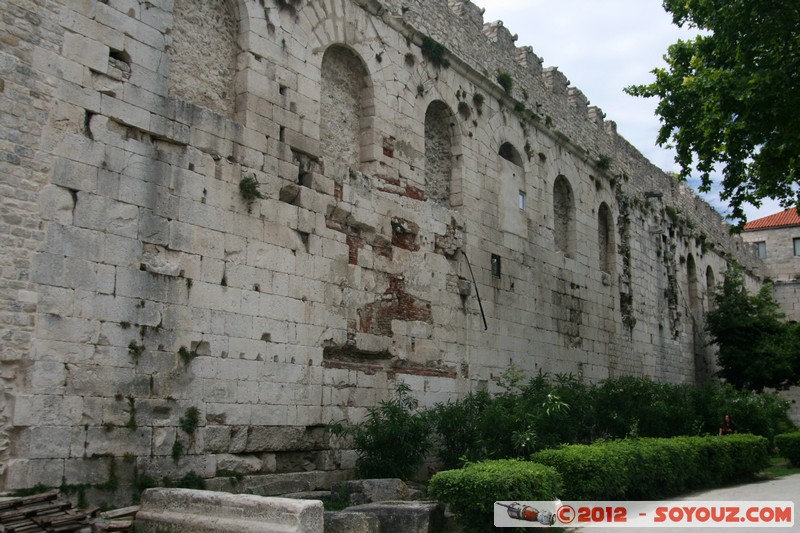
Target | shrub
(457,429)
(650,468)
(506,81)
(789,446)
(604,162)
(471,491)
(393,440)
(435,52)
(249,189)
(548,411)
(762,414)
(190,420)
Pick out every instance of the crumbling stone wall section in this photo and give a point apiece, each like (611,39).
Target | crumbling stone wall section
(192,290)
(203,53)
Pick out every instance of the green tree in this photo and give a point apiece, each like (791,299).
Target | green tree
(756,349)
(730,97)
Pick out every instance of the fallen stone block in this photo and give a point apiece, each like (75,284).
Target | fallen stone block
(361,491)
(345,522)
(404,516)
(200,511)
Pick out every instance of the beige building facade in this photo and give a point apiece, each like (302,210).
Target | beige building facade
(776,241)
(226,224)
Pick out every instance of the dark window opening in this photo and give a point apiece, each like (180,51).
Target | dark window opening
(496,268)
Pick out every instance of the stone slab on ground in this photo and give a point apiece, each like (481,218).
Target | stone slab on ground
(347,522)
(361,491)
(404,516)
(200,511)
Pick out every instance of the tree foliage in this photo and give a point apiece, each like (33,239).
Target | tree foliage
(756,348)
(392,440)
(730,96)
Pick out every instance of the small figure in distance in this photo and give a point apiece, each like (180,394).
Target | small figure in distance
(727,427)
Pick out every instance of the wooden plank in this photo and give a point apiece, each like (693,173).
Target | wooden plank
(43,512)
(27,500)
(116,513)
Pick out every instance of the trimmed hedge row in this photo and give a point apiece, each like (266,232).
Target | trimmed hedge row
(789,446)
(649,468)
(472,490)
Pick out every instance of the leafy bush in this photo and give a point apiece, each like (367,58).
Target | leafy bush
(649,468)
(629,406)
(393,440)
(506,81)
(789,446)
(190,420)
(435,52)
(548,411)
(249,188)
(471,491)
(457,426)
(762,414)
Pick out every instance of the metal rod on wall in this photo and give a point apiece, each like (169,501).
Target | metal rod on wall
(475,283)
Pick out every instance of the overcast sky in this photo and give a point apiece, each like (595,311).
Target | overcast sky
(603,46)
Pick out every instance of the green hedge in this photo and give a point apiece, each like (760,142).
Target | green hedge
(649,468)
(546,411)
(471,491)
(789,446)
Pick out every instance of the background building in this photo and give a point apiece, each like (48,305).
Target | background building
(776,240)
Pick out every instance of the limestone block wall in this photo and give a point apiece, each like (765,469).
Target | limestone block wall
(162,316)
(787,294)
(781,264)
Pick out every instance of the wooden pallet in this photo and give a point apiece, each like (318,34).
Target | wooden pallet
(42,512)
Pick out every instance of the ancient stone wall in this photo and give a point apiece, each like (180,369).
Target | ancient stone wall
(162,315)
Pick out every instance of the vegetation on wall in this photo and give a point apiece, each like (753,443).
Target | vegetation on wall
(604,162)
(249,189)
(506,81)
(435,52)
(190,420)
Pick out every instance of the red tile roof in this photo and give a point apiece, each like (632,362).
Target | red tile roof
(778,220)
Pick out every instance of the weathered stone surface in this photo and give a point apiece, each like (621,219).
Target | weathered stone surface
(274,484)
(361,491)
(196,511)
(346,522)
(241,464)
(404,516)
